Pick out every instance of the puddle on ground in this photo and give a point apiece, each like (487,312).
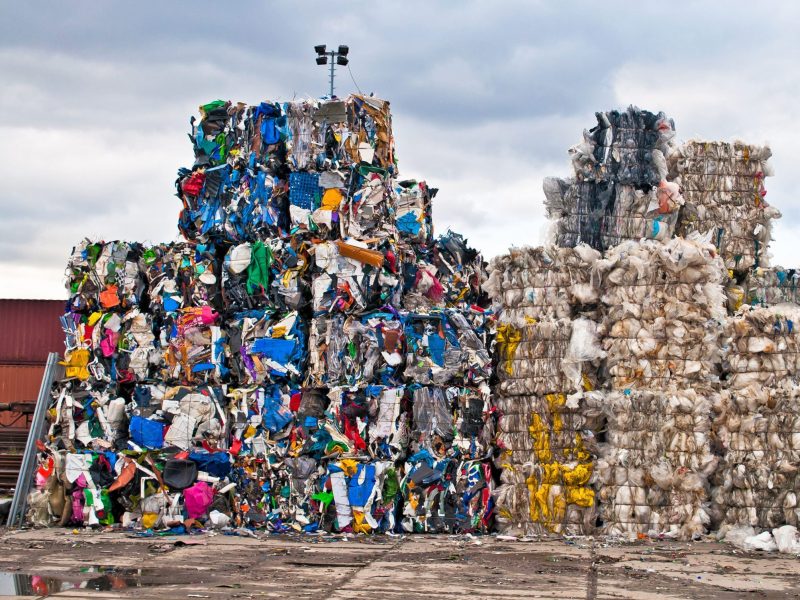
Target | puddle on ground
(94,578)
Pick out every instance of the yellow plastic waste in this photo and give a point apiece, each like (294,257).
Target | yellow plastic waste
(554,485)
(149,520)
(508,340)
(76,363)
(360,524)
(331,199)
(349,466)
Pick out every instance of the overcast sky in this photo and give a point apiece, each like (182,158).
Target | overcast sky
(486,98)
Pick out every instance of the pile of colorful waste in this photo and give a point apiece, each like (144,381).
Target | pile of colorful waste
(309,358)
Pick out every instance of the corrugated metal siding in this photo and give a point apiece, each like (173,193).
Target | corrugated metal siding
(20,383)
(29,330)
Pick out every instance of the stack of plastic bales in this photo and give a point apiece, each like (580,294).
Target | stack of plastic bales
(547,354)
(145,357)
(757,421)
(723,187)
(620,189)
(663,313)
(310,357)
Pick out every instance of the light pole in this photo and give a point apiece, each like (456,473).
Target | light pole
(338,57)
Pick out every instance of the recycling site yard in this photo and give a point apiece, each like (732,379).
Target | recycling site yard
(312,366)
(83,564)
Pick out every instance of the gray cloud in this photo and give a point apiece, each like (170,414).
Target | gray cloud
(487,97)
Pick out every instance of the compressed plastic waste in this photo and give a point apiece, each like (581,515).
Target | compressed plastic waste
(539,283)
(268,169)
(269,275)
(620,189)
(267,347)
(105,276)
(603,214)
(181,275)
(111,347)
(654,469)
(628,147)
(547,355)
(548,459)
(723,187)
(352,350)
(311,358)
(440,347)
(350,276)
(664,307)
(756,421)
(447,274)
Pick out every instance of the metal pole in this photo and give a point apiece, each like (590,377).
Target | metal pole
(19,504)
(333,55)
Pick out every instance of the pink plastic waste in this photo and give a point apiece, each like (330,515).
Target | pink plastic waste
(198,499)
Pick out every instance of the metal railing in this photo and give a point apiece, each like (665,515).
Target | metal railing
(19,505)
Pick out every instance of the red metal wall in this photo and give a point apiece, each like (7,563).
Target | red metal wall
(18,383)
(29,330)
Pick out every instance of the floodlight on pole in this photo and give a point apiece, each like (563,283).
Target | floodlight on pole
(337,57)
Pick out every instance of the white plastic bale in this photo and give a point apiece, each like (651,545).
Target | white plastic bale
(541,282)
(655,465)
(757,421)
(547,448)
(663,311)
(757,483)
(723,187)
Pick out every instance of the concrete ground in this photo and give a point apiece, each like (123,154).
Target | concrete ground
(83,564)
